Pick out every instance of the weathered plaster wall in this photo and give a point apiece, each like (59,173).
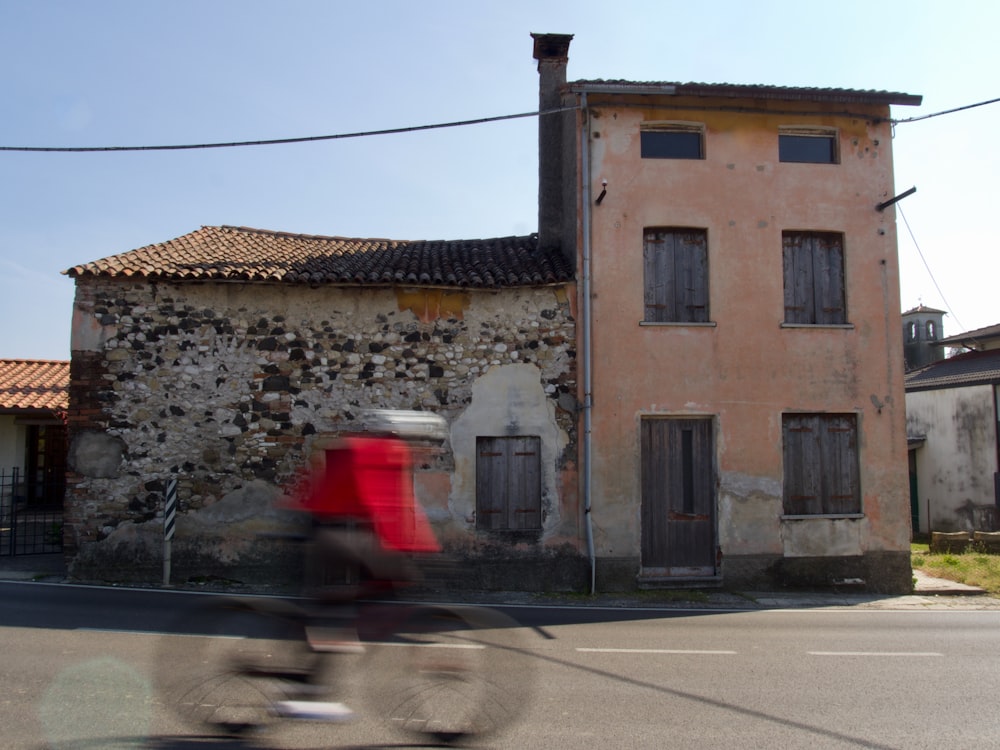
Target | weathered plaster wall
(230,387)
(746,368)
(12,439)
(956,463)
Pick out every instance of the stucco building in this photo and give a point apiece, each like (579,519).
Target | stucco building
(952,422)
(33,401)
(741,356)
(699,357)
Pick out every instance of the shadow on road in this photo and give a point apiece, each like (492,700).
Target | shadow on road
(207,742)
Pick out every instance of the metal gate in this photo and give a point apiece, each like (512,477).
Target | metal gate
(31,515)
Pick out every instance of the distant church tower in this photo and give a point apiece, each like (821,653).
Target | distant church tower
(922,326)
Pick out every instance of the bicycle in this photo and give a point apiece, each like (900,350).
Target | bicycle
(442,672)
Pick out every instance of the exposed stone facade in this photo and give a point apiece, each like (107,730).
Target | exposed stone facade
(231,387)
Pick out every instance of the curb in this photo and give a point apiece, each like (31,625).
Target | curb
(927,592)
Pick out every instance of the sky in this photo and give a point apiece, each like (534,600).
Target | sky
(79,73)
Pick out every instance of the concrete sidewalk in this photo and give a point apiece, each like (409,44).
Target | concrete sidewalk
(32,567)
(929,593)
(926,584)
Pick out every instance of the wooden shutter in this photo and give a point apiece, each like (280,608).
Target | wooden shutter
(675,267)
(821,464)
(828,276)
(840,464)
(814,277)
(803,465)
(491,495)
(658,277)
(508,483)
(798,269)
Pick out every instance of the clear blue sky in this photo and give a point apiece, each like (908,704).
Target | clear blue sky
(152,72)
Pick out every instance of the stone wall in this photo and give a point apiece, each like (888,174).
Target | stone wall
(231,388)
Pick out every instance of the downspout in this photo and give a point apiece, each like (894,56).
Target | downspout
(996,444)
(586,340)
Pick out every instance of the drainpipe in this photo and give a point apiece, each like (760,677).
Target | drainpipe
(586,339)
(996,443)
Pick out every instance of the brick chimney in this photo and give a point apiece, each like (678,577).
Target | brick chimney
(556,157)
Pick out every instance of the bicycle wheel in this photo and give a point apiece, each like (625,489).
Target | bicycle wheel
(450,673)
(245,655)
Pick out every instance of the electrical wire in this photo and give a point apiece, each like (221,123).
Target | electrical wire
(276,141)
(927,266)
(368,133)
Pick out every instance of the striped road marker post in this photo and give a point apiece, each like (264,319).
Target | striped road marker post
(169,519)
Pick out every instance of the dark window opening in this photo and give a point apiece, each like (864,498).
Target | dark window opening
(808,149)
(46,464)
(671,144)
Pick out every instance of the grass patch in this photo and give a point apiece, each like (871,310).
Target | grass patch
(973,567)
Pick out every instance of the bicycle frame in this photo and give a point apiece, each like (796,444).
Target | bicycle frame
(441,671)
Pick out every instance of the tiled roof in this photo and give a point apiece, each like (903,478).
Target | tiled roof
(27,384)
(971,368)
(745,91)
(973,338)
(922,308)
(244,254)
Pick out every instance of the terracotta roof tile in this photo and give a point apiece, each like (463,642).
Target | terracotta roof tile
(245,254)
(973,339)
(27,384)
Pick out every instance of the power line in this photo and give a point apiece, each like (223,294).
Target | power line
(368,133)
(927,266)
(276,141)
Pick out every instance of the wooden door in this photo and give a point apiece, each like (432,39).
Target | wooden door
(678,497)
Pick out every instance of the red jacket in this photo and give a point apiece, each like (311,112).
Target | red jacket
(371,479)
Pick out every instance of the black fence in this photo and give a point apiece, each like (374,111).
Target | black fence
(31,514)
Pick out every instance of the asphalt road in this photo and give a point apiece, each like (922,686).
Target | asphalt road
(78,670)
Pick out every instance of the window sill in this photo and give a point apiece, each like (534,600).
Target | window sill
(671,324)
(825,516)
(835,326)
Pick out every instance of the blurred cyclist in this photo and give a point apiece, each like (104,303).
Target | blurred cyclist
(367,527)
(365,516)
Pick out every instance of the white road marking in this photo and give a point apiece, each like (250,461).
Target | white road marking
(463,646)
(874,653)
(652,651)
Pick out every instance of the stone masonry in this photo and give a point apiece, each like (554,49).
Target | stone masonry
(230,387)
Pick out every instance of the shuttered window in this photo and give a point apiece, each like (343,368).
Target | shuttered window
(814,278)
(508,483)
(675,275)
(821,464)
